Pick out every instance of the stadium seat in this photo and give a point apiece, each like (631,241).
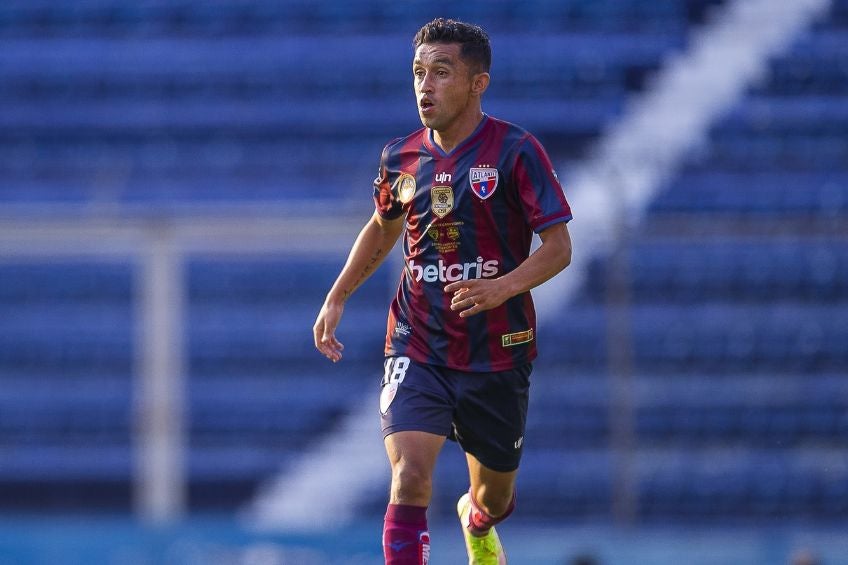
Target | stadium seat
(738,335)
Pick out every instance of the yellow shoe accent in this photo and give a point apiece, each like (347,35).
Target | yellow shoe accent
(485,550)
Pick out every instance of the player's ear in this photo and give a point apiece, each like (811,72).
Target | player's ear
(479,83)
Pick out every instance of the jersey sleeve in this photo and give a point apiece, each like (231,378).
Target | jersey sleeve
(539,190)
(385,193)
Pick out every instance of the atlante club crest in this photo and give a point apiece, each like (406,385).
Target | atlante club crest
(484,181)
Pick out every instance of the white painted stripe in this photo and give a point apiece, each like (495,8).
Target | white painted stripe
(325,485)
(647,145)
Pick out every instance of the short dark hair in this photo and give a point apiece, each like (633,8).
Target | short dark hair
(474,42)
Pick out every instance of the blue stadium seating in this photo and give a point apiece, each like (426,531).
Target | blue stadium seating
(160,102)
(738,305)
(738,329)
(763,484)
(95,17)
(690,270)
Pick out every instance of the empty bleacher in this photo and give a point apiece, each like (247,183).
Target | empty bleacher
(66,394)
(738,328)
(738,305)
(736,343)
(153,103)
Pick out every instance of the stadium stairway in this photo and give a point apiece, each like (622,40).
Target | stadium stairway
(769,187)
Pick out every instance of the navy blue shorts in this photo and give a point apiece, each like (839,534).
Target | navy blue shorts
(484,412)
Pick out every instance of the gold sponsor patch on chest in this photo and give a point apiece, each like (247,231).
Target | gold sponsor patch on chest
(441,198)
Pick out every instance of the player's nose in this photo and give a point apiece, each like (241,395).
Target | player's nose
(426,84)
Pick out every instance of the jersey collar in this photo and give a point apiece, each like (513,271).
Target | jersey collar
(433,147)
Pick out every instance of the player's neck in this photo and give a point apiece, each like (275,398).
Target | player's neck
(458,131)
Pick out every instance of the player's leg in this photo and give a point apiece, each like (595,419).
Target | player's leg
(416,407)
(492,494)
(489,501)
(489,426)
(412,455)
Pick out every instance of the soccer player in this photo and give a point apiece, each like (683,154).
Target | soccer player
(470,191)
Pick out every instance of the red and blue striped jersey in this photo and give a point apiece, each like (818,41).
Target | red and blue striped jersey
(470,213)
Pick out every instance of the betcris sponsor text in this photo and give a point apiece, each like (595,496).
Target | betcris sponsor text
(454,272)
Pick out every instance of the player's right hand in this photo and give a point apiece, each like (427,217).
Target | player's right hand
(324,331)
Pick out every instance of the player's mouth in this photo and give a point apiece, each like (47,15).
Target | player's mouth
(425,106)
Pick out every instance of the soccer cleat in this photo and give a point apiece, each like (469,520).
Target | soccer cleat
(484,550)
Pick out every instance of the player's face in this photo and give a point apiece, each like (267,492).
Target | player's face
(443,85)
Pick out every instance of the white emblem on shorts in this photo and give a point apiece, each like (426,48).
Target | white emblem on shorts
(386,396)
(394,373)
(519,442)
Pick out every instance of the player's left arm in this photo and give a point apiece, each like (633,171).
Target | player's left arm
(477,295)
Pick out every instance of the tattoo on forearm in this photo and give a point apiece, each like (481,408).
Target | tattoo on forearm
(366,271)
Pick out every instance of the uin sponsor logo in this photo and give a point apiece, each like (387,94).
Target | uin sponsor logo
(443,177)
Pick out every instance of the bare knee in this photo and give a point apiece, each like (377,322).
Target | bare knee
(411,484)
